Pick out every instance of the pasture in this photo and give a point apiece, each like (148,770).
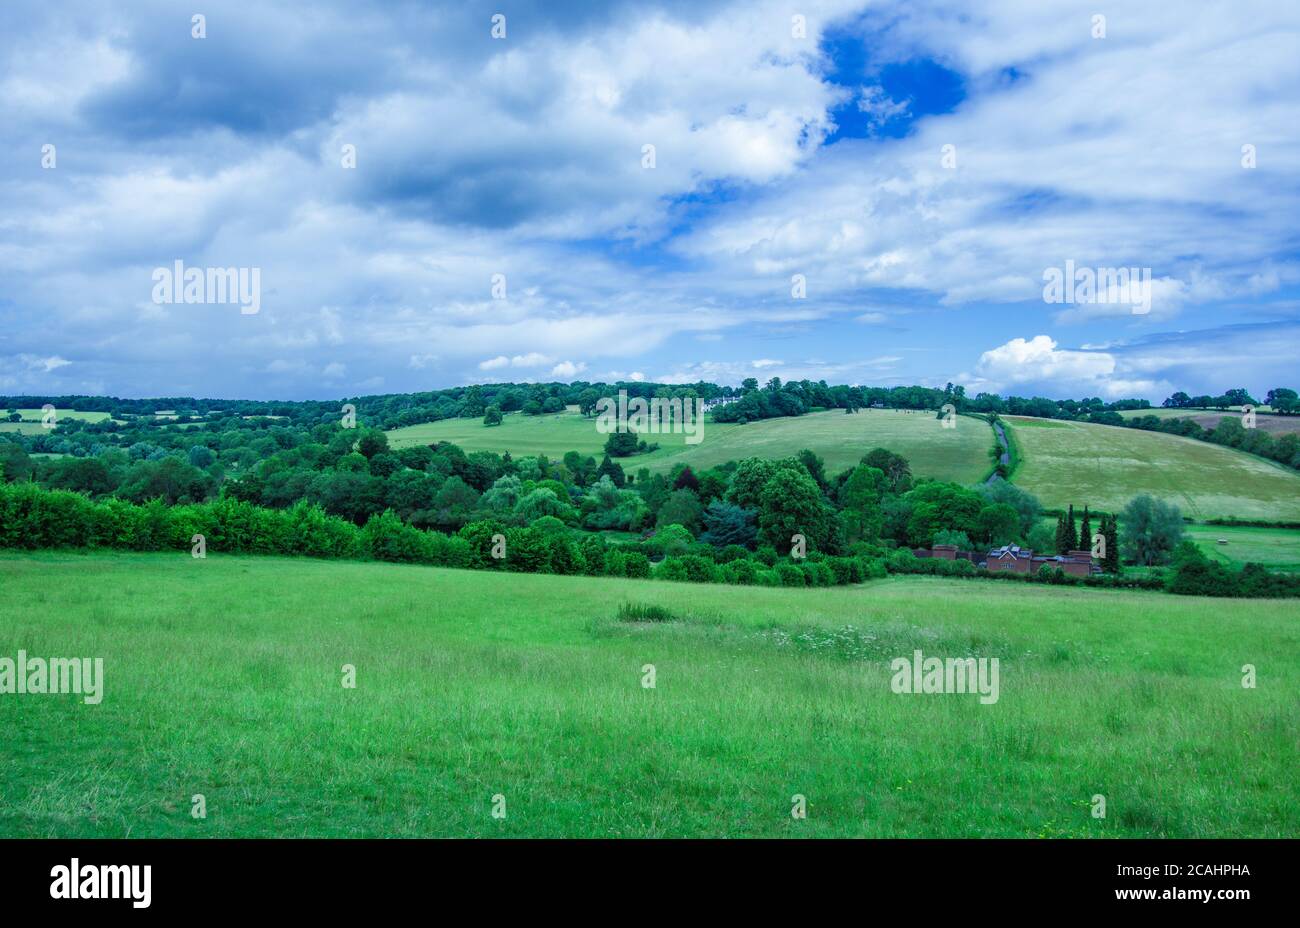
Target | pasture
(222,677)
(1105,466)
(1210,418)
(1275,548)
(958,454)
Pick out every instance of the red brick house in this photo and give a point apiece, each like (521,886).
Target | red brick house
(1020,560)
(1017,560)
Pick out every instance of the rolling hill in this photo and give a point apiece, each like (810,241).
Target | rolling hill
(958,454)
(1209,418)
(1105,466)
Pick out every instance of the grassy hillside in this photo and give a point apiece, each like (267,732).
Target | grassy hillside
(951,454)
(1209,418)
(1105,466)
(223,678)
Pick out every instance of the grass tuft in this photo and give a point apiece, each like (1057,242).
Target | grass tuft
(644,612)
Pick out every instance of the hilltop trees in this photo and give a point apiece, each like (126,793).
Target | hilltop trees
(1283,400)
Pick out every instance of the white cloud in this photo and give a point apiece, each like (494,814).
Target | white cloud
(566,370)
(1040,365)
(878,106)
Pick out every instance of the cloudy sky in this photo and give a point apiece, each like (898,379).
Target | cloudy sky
(861,193)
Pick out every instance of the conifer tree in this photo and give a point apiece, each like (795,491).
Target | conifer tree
(1085,531)
(1112,545)
(1062,538)
(1071,536)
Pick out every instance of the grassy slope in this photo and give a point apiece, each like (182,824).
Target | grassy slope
(951,454)
(1209,418)
(1104,466)
(223,679)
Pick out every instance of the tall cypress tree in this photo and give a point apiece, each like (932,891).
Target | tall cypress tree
(1071,537)
(1085,531)
(1062,539)
(1112,545)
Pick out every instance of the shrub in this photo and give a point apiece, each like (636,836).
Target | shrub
(790,575)
(388,538)
(637,564)
(644,612)
(563,556)
(740,572)
(731,553)
(526,551)
(689,567)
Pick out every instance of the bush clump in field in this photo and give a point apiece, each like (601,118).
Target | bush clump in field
(644,612)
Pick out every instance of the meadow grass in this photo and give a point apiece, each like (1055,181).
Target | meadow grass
(1105,466)
(1275,548)
(958,454)
(223,678)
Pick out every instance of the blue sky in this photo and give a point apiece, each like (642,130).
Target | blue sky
(919,165)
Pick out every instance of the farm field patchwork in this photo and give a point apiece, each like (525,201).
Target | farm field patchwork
(1105,466)
(223,677)
(958,454)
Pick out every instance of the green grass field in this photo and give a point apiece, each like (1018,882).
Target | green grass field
(958,454)
(31,424)
(1105,466)
(223,678)
(1275,548)
(1209,418)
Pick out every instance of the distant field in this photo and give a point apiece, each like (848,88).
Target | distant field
(31,420)
(1276,549)
(223,677)
(958,454)
(36,414)
(1105,466)
(1209,418)
(31,424)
